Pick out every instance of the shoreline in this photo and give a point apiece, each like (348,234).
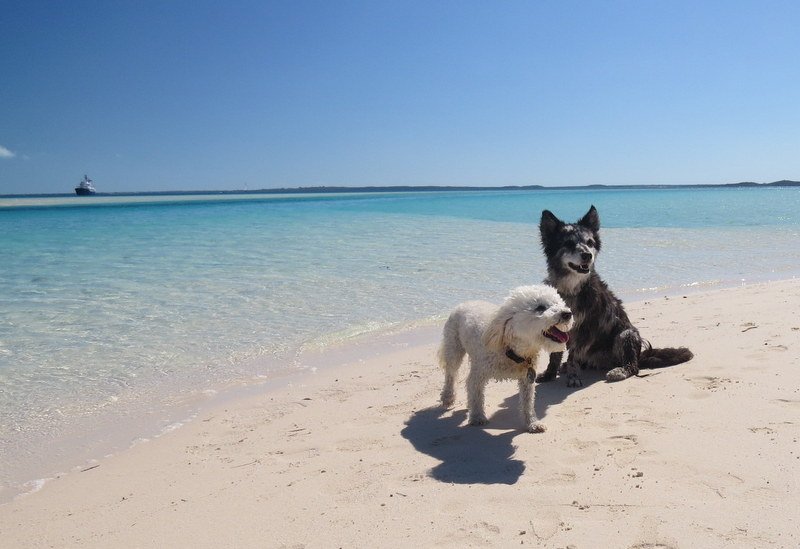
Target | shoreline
(361,449)
(107,439)
(113,435)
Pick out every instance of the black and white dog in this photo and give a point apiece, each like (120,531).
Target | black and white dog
(602,336)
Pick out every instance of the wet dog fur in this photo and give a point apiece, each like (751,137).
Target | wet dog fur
(503,344)
(602,337)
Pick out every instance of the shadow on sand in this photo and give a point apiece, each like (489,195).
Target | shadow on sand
(473,455)
(555,392)
(468,455)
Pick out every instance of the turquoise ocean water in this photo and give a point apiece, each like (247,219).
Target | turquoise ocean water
(118,315)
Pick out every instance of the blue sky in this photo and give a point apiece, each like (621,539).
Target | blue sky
(199,95)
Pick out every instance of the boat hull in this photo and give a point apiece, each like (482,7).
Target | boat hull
(83,192)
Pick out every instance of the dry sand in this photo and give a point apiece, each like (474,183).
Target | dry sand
(700,455)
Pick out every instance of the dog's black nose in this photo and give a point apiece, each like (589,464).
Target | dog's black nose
(586,256)
(566,315)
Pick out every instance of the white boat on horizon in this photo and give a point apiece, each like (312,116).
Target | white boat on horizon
(85,187)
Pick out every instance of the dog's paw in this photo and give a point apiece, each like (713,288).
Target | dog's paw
(448,398)
(478,420)
(617,374)
(545,377)
(537,427)
(574,380)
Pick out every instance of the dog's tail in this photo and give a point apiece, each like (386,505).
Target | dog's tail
(660,358)
(451,353)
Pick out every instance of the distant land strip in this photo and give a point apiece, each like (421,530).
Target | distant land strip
(409,188)
(425,188)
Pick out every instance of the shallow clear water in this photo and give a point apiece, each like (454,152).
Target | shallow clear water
(122,306)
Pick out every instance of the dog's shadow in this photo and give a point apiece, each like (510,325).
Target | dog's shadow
(473,455)
(468,455)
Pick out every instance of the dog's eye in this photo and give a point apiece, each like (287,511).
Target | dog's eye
(540,309)
(590,243)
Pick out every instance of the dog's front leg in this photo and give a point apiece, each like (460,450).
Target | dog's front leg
(552,368)
(573,377)
(628,348)
(527,409)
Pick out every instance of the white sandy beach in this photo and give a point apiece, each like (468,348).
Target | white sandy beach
(704,454)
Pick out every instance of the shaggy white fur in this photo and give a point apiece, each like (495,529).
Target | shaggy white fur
(503,343)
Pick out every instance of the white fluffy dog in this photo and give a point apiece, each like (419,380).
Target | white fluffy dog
(503,343)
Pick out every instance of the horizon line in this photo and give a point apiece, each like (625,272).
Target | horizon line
(420,188)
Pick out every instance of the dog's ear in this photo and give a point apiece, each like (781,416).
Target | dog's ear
(549,224)
(494,338)
(591,220)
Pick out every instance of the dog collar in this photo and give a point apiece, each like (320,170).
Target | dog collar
(515,357)
(519,360)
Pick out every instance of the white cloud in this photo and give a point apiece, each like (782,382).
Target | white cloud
(5,153)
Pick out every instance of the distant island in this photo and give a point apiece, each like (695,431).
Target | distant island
(445,188)
(441,188)
(409,188)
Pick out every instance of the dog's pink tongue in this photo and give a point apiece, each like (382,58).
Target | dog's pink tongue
(562,337)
